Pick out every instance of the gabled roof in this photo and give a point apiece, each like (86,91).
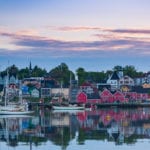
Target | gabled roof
(102,87)
(86,84)
(118,93)
(114,76)
(106,92)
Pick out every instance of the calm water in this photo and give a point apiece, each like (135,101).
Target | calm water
(105,129)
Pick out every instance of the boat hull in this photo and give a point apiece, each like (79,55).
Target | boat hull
(16,112)
(68,108)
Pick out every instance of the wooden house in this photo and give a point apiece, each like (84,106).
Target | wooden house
(131,95)
(81,98)
(114,81)
(107,96)
(126,80)
(119,97)
(35,93)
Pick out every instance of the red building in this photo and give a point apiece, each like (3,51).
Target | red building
(131,95)
(81,98)
(119,97)
(142,96)
(107,96)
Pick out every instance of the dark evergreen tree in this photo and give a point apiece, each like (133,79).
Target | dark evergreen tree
(62,74)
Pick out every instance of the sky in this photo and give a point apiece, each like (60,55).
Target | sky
(93,34)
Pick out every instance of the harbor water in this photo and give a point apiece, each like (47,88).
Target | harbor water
(105,129)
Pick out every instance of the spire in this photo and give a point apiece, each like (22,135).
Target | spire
(30,68)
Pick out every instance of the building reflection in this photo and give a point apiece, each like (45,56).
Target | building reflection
(120,126)
(114,125)
(11,128)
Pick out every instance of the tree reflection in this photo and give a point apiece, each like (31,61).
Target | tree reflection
(60,128)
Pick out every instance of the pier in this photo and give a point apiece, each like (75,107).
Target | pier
(123,105)
(98,105)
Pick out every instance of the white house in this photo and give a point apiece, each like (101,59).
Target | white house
(114,81)
(139,81)
(13,80)
(126,80)
(56,92)
(35,93)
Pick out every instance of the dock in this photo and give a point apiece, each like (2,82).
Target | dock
(123,105)
(98,105)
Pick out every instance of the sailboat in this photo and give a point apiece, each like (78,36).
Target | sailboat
(67,107)
(14,109)
(9,109)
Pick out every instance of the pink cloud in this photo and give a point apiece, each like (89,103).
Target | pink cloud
(131,31)
(84,28)
(107,42)
(75,28)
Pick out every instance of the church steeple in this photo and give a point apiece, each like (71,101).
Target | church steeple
(30,68)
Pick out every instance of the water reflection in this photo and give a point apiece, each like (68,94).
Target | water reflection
(120,126)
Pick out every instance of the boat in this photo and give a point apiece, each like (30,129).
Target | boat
(13,109)
(74,111)
(15,116)
(65,106)
(69,107)
(15,112)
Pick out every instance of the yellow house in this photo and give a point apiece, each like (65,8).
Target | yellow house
(146,85)
(125,88)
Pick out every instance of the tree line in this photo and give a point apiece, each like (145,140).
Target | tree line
(63,74)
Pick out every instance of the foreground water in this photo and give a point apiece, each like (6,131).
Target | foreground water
(105,129)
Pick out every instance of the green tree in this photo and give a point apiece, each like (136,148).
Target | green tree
(13,70)
(108,73)
(130,71)
(95,76)
(38,72)
(118,68)
(62,74)
(24,73)
(81,75)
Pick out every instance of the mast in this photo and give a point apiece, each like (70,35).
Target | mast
(0,77)
(20,92)
(61,83)
(70,87)
(6,88)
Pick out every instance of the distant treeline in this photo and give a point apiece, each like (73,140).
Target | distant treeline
(61,73)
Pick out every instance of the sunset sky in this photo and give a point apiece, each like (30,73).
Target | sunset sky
(93,34)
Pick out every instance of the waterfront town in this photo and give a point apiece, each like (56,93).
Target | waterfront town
(117,87)
(74,74)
